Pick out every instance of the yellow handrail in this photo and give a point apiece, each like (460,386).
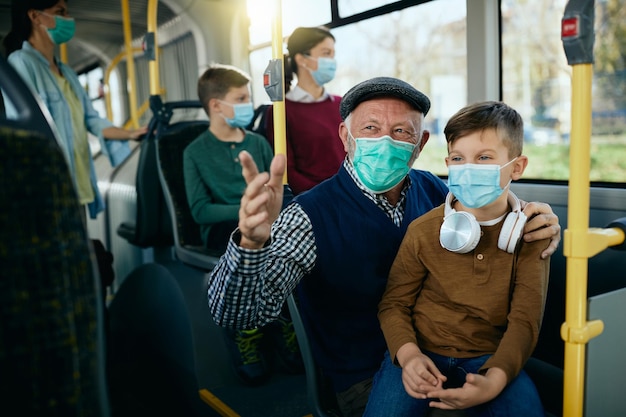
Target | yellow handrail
(63,52)
(130,65)
(153,65)
(216,404)
(280,135)
(144,107)
(107,74)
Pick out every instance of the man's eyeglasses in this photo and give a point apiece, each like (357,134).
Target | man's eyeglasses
(399,133)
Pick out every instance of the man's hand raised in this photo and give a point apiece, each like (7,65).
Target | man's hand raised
(261,201)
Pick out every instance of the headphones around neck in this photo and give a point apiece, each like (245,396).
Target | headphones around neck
(460,231)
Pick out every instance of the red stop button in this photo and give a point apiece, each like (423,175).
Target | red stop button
(570,27)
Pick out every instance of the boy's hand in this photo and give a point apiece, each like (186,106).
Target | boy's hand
(261,201)
(419,373)
(478,389)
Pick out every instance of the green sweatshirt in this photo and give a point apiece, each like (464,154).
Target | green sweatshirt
(213,180)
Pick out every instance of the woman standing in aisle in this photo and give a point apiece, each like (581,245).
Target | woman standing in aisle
(37,27)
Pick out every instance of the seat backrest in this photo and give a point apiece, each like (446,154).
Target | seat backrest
(51,332)
(171,148)
(321,399)
(152,223)
(52,329)
(187,237)
(259,120)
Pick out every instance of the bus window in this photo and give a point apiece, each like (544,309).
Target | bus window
(261,12)
(351,7)
(536,80)
(424,45)
(295,13)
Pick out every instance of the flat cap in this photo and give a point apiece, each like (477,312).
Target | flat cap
(383,87)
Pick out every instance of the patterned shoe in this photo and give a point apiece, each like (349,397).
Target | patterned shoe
(286,346)
(248,358)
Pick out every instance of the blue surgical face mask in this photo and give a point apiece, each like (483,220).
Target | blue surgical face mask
(325,71)
(243,114)
(63,30)
(381,163)
(476,185)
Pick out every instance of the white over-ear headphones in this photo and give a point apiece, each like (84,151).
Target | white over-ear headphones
(460,231)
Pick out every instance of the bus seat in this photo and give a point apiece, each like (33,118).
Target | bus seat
(259,120)
(151,227)
(321,398)
(51,332)
(52,328)
(188,244)
(151,364)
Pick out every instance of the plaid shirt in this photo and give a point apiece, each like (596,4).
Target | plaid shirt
(248,287)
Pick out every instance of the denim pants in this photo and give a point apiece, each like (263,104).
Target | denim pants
(388,397)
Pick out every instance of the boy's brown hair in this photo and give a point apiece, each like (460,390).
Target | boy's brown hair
(217,80)
(507,123)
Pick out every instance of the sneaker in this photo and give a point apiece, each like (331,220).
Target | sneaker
(286,345)
(248,358)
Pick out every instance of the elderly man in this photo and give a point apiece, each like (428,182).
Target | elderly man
(339,239)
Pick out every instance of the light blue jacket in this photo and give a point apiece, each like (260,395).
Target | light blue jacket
(35,70)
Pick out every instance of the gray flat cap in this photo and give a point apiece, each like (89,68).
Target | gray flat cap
(383,87)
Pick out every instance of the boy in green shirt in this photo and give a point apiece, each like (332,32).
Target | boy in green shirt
(214,184)
(213,179)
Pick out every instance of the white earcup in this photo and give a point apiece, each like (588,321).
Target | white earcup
(511,231)
(460,232)
(513,226)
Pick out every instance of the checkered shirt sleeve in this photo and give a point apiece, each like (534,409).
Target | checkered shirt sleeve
(248,287)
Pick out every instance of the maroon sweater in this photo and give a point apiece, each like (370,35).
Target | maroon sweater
(314,150)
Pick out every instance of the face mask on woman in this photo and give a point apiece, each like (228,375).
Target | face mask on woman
(63,30)
(243,114)
(325,71)
(381,163)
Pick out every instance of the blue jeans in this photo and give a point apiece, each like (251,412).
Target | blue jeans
(388,397)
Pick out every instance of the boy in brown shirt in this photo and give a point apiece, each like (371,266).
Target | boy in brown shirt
(463,305)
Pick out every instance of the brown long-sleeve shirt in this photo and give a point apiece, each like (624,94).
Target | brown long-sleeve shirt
(486,301)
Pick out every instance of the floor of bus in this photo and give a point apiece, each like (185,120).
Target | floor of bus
(282,395)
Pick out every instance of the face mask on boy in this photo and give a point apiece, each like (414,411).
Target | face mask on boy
(381,163)
(243,114)
(476,185)
(63,30)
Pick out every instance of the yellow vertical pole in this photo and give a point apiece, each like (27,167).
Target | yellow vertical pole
(130,65)
(575,326)
(580,242)
(153,65)
(280,135)
(63,52)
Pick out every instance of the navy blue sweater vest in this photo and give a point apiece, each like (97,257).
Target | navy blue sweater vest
(356,245)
